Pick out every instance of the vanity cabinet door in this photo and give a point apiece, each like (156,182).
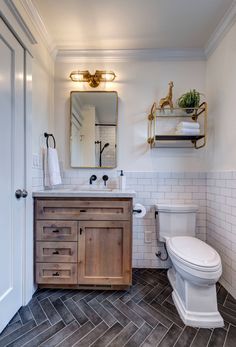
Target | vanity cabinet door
(104,253)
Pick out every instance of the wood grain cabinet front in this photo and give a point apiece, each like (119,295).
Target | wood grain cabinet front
(83,242)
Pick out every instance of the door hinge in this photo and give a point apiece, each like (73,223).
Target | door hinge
(80,231)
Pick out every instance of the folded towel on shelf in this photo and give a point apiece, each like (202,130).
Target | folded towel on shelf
(185,131)
(188,125)
(52,174)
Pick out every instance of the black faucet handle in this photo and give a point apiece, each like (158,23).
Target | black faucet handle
(92,178)
(105,179)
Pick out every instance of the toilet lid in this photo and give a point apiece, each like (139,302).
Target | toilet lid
(194,251)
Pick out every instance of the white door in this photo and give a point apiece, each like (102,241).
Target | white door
(12,173)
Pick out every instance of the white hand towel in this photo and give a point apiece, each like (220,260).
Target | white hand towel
(185,131)
(52,174)
(189,125)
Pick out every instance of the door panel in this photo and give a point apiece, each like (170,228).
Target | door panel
(11,174)
(104,252)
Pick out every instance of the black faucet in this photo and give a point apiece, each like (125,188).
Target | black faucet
(105,179)
(92,178)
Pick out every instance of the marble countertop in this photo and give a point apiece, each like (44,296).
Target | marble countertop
(85,193)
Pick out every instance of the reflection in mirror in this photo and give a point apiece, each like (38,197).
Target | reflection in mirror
(93,129)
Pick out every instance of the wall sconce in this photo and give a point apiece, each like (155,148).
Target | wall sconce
(93,80)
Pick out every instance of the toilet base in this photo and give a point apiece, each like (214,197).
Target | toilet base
(196,305)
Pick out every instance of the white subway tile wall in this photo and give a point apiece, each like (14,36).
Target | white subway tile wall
(151,188)
(213,192)
(221,222)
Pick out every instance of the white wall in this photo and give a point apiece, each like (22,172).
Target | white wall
(221,155)
(138,84)
(221,95)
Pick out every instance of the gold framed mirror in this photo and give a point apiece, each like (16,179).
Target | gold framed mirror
(93,129)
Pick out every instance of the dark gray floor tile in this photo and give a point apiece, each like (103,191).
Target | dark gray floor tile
(69,294)
(112,298)
(139,337)
(65,314)
(142,293)
(89,312)
(15,319)
(109,335)
(58,294)
(221,295)
(170,312)
(227,314)
(92,295)
(81,294)
(44,293)
(124,336)
(25,314)
(149,297)
(30,335)
(158,315)
(76,311)
(131,293)
(217,338)
(61,335)
(132,315)
(50,311)
(121,318)
(149,318)
(37,311)
(171,336)
(103,295)
(45,335)
(155,337)
(17,333)
(202,338)
(230,302)
(186,337)
(163,295)
(77,335)
(231,337)
(10,328)
(108,318)
(92,336)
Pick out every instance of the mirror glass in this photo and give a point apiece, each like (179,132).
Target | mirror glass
(93,119)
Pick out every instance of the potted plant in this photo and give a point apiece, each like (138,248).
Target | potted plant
(189,100)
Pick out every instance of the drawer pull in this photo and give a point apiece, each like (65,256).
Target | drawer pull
(55,252)
(56,231)
(56,274)
(83,210)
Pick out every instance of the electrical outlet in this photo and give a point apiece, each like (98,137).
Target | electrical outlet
(148,236)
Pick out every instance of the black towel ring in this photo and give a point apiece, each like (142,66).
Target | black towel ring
(47,137)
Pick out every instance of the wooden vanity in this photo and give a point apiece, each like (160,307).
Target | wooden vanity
(83,242)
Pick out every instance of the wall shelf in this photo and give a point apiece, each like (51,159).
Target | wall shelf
(159,138)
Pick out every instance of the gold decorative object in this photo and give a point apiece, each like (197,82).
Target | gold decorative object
(93,80)
(168,99)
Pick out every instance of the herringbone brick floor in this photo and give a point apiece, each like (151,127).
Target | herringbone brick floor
(145,316)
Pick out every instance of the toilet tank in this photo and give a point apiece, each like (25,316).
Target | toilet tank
(176,220)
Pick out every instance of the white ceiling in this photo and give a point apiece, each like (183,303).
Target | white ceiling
(131,24)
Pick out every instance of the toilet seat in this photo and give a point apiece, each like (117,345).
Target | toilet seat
(194,253)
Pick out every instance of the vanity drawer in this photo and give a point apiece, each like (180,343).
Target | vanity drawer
(61,252)
(83,209)
(53,273)
(56,231)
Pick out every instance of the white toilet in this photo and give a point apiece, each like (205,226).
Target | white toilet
(196,266)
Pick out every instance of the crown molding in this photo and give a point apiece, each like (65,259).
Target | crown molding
(125,55)
(221,30)
(22,24)
(39,25)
